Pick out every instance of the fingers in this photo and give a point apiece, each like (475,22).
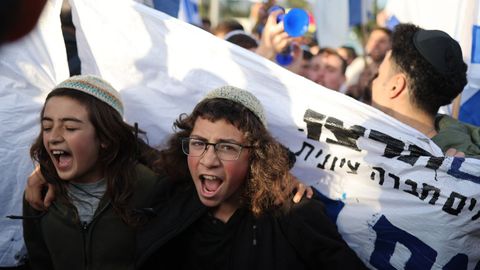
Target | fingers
(309,192)
(33,189)
(271,36)
(50,196)
(452,152)
(281,41)
(272,18)
(300,192)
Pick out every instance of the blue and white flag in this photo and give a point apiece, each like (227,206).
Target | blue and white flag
(335,18)
(397,201)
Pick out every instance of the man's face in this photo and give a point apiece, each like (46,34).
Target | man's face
(383,83)
(326,70)
(377,45)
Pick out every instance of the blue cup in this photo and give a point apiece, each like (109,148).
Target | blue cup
(295,23)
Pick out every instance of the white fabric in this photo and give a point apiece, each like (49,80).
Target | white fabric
(331,19)
(162,67)
(452,16)
(175,64)
(29,68)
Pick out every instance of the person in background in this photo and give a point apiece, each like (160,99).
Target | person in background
(242,39)
(305,64)
(226,27)
(328,69)
(423,71)
(361,71)
(206,24)
(348,53)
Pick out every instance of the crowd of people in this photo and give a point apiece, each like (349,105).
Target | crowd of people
(338,69)
(220,193)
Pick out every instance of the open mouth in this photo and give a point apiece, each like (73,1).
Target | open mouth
(62,157)
(210,183)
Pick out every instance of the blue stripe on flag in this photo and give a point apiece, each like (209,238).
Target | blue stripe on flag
(392,22)
(188,10)
(354,12)
(167,6)
(476,44)
(469,110)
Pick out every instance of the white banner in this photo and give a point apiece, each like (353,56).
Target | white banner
(396,200)
(397,205)
(29,68)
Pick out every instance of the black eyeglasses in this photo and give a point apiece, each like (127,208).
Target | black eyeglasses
(226,151)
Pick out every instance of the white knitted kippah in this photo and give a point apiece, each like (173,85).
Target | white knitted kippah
(241,96)
(96,87)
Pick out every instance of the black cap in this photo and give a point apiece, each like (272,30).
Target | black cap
(439,49)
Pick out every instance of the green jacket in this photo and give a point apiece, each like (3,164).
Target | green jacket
(452,133)
(56,240)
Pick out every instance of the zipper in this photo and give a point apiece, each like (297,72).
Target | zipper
(86,231)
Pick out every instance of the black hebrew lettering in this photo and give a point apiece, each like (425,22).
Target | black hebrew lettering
(415,153)
(305,145)
(394,147)
(322,166)
(381,172)
(448,206)
(342,162)
(435,162)
(345,137)
(396,180)
(473,202)
(314,124)
(426,190)
(476,217)
(413,184)
(353,168)
(319,153)
(332,167)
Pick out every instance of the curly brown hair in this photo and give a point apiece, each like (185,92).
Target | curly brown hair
(269,183)
(118,158)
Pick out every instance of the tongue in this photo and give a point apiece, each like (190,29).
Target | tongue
(212,185)
(64,160)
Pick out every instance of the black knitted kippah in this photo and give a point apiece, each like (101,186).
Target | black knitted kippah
(439,49)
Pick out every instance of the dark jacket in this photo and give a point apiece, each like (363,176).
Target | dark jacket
(57,240)
(458,135)
(301,238)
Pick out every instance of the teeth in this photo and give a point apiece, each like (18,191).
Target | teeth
(58,152)
(209,177)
